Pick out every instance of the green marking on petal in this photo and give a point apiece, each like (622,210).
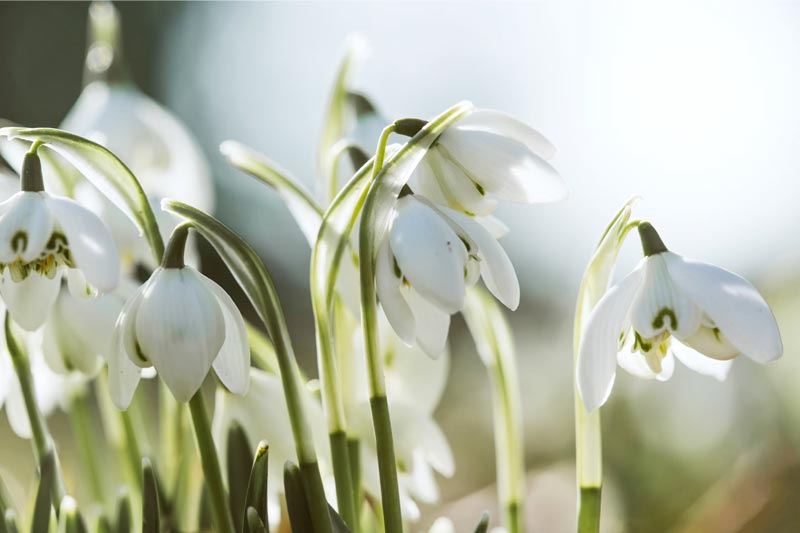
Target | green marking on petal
(658,321)
(19,242)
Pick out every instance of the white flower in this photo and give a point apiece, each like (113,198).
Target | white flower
(429,258)
(262,412)
(668,305)
(79,331)
(181,323)
(40,237)
(485,156)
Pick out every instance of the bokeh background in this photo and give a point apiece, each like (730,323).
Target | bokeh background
(692,106)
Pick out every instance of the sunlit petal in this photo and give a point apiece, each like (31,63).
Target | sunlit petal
(232,365)
(29,301)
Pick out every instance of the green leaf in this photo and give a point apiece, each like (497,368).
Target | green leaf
(70,519)
(483,525)
(338,523)
(42,507)
(105,171)
(60,177)
(238,463)
(151,518)
(256,499)
(339,115)
(254,522)
(10,521)
(124,516)
(301,204)
(296,501)
(102,525)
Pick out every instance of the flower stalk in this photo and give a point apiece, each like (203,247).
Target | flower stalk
(211,469)
(81,420)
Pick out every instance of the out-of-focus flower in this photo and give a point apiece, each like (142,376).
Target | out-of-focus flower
(41,236)
(151,141)
(181,323)
(414,385)
(429,258)
(700,313)
(263,413)
(485,156)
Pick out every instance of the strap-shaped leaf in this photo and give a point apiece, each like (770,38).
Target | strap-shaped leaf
(483,525)
(256,500)
(43,505)
(102,525)
(105,171)
(254,522)
(70,519)
(301,204)
(238,464)
(296,501)
(124,516)
(10,521)
(151,517)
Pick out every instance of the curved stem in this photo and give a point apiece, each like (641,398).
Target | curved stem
(42,441)
(211,469)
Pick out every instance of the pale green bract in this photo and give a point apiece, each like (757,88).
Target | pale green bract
(493,339)
(105,171)
(305,210)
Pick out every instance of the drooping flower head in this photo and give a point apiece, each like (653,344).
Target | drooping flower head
(669,307)
(44,236)
(183,324)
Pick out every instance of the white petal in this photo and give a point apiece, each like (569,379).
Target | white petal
(24,214)
(432,324)
(90,242)
(77,284)
(496,227)
(123,375)
(499,123)
(503,166)
(735,306)
(634,362)
(392,302)
(597,356)
(17,414)
(430,255)
(662,306)
(180,329)
(496,268)
(232,365)
(421,483)
(711,343)
(124,339)
(457,186)
(417,431)
(29,301)
(700,363)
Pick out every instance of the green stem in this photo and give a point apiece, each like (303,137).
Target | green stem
(354,450)
(81,417)
(42,441)
(211,469)
(342,472)
(130,448)
(382,424)
(589,510)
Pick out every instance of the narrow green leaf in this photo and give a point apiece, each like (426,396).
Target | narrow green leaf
(70,519)
(254,522)
(238,464)
(105,171)
(124,516)
(337,522)
(42,507)
(483,525)
(5,502)
(256,499)
(151,518)
(102,525)
(301,204)
(10,521)
(296,502)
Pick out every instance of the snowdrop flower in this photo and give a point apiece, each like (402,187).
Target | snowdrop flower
(486,156)
(77,335)
(41,236)
(183,324)
(263,413)
(671,306)
(153,143)
(429,257)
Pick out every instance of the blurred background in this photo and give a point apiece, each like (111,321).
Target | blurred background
(693,107)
